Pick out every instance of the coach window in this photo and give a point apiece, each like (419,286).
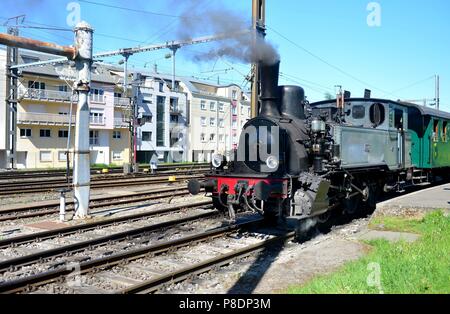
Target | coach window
(436,130)
(358,112)
(445,132)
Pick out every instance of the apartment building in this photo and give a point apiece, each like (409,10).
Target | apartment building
(44,114)
(216,117)
(163,116)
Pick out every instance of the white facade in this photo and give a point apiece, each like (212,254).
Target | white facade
(217,115)
(163,113)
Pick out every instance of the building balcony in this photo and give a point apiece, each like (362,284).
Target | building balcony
(122,102)
(47,95)
(97,121)
(120,123)
(28,118)
(176,111)
(32,118)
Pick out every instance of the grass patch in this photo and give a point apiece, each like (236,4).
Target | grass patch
(405,268)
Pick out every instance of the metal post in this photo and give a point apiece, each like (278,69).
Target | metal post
(82,173)
(437,92)
(259,24)
(174,52)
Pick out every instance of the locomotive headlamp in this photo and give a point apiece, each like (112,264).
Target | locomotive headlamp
(217,160)
(318,126)
(272,162)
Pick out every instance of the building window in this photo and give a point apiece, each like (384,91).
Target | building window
(147,136)
(203,137)
(234,111)
(174,119)
(203,105)
(63,88)
(212,106)
(147,118)
(221,107)
(97,95)
(234,94)
(221,123)
(117,95)
(94,138)
(117,156)
(203,121)
(160,121)
(222,138)
(36,85)
(161,87)
(212,137)
(97,118)
(45,133)
(25,132)
(234,124)
(212,122)
(174,105)
(63,133)
(117,135)
(62,156)
(45,156)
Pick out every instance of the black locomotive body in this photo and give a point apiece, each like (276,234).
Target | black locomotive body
(297,161)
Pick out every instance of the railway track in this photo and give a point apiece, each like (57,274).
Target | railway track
(38,187)
(98,244)
(127,265)
(9,175)
(51,208)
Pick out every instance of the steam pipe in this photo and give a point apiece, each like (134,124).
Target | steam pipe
(36,45)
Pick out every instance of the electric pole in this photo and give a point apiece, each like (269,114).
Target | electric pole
(259,29)
(437,92)
(12,59)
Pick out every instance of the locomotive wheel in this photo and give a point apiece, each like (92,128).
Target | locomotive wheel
(218,205)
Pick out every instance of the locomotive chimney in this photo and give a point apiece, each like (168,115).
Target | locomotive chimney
(269,90)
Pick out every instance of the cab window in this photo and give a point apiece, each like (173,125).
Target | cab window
(358,112)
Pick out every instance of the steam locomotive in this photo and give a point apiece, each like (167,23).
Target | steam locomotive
(298,161)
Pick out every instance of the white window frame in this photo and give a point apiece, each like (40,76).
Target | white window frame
(115,133)
(212,106)
(26,136)
(203,105)
(41,154)
(45,130)
(203,137)
(63,130)
(95,139)
(62,153)
(212,137)
(221,123)
(117,156)
(221,107)
(212,122)
(203,121)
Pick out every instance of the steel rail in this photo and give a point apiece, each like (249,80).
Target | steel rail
(112,201)
(93,171)
(94,185)
(154,285)
(27,260)
(41,279)
(51,234)
(99,178)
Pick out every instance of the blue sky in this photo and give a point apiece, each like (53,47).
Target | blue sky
(330,42)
